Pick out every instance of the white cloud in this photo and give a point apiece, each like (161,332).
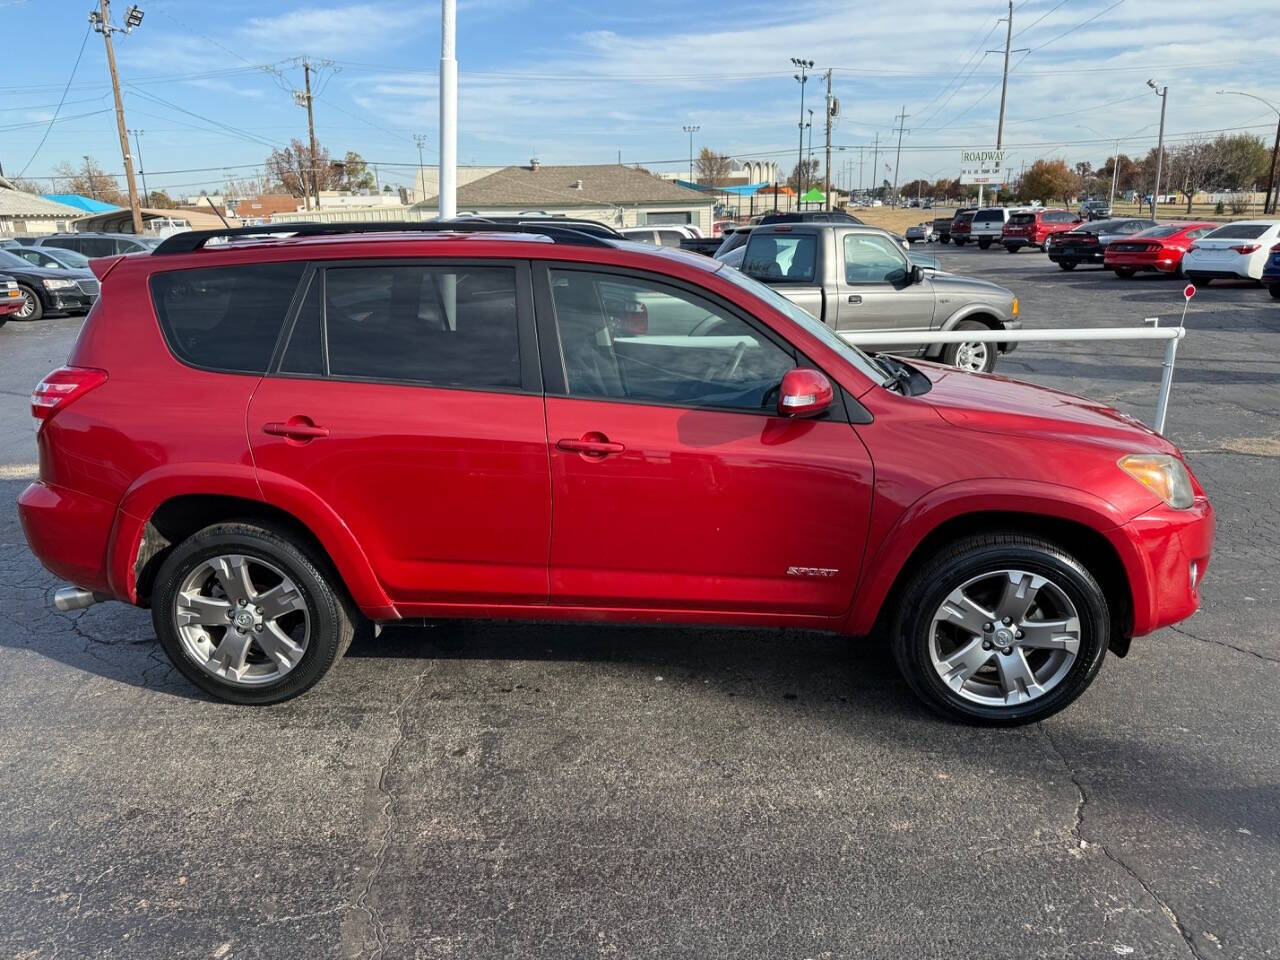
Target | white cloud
(335,31)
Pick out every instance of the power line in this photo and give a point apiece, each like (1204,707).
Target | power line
(1083,23)
(1033,24)
(74,68)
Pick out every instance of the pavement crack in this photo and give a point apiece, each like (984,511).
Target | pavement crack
(1077,831)
(1223,643)
(389,817)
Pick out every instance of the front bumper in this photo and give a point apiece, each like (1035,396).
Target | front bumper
(70,301)
(1159,549)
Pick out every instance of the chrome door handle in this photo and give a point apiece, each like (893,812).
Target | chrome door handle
(855,298)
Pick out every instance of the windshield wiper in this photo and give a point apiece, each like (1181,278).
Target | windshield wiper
(899,373)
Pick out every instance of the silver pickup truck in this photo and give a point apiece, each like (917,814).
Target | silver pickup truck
(854,277)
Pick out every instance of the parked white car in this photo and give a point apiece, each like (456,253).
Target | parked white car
(921,232)
(665,235)
(1232,252)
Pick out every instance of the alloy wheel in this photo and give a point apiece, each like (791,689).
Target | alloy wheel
(1004,638)
(972,356)
(242,620)
(28,306)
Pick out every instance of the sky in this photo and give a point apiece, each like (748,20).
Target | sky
(574,81)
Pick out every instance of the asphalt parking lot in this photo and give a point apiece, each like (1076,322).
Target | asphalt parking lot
(503,790)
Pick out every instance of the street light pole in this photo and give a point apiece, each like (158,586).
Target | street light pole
(101,21)
(137,146)
(1163,94)
(691,129)
(1267,205)
(802,78)
(421,140)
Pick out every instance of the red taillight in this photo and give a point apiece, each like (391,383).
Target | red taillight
(1247,248)
(1276,248)
(61,387)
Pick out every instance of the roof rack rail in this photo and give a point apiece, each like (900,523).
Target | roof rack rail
(192,240)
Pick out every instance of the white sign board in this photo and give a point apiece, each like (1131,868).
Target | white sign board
(982,166)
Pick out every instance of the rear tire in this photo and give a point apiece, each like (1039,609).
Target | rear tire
(1066,264)
(1274,290)
(948,631)
(1011,248)
(984,244)
(944,239)
(296,618)
(1124,273)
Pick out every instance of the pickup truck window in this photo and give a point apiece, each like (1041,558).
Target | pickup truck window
(781,258)
(869,258)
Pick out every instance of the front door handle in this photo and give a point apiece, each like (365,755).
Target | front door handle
(593,446)
(855,298)
(296,428)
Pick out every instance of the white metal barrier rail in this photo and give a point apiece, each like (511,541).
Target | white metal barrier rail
(888,338)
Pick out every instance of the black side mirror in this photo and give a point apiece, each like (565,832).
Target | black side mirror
(916,274)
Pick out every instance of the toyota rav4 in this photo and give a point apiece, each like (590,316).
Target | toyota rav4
(270,441)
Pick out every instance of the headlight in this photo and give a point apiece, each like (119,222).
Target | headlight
(59,284)
(1163,475)
(1015,306)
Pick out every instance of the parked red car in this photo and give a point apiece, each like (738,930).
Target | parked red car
(1158,248)
(271,441)
(1032,228)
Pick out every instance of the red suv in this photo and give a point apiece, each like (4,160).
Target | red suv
(270,441)
(1032,228)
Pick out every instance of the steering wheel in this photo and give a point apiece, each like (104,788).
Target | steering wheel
(707,326)
(731,365)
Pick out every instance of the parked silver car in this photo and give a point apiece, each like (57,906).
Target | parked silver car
(854,277)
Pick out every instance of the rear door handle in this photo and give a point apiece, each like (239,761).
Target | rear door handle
(855,298)
(590,446)
(299,428)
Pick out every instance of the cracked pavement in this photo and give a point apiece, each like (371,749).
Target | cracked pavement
(504,790)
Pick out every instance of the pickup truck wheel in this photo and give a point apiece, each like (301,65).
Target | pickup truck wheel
(1067,264)
(974,356)
(1011,248)
(246,615)
(1001,629)
(944,239)
(984,244)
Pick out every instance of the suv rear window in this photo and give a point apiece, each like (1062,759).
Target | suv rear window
(225,318)
(1022,219)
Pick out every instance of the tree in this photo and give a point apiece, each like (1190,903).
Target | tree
(160,200)
(1048,180)
(250,186)
(354,173)
(294,169)
(26,186)
(1241,161)
(89,181)
(713,168)
(1191,164)
(809,171)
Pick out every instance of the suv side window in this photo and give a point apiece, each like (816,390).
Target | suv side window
(436,326)
(225,318)
(871,258)
(781,256)
(641,340)
(670,238)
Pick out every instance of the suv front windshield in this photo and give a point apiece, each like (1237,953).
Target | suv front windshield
(807,322)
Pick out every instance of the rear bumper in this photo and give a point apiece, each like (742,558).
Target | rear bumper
(1158,549)
(68,532)
(1158,262)
(1077,255)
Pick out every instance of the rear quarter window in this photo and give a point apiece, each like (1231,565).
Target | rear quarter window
(225,318)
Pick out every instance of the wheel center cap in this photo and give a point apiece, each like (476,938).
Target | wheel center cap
(1004,636)
(244,619)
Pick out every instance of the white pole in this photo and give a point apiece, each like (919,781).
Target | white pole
(448,110)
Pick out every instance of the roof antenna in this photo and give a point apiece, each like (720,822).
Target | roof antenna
(209,201)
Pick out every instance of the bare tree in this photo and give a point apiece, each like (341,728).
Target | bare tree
(89,180)
(1191,163)
(713,168)
(294,167)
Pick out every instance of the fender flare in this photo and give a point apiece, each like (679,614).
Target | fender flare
(1033,498)
(156,487)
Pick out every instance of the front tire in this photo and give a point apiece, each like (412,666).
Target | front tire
(1001,629)
(1273,288)
(247,615)
(32,308)
(973,357)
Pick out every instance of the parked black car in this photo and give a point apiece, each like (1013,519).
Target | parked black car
(99,244)
(809,216)
(942,225)
(49,289)
(1087,243)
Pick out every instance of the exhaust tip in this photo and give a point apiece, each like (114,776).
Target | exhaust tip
(67,599)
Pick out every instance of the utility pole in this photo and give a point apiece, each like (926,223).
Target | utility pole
(802,78)
(691,129)
(421,140)
(88,176)
(901,118)
(861,151)
(875,158)
(832,109)
(101,21)
(1163,94)
(808,164)
(1004,88)
(311,133)
(448,206)
(137,147)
